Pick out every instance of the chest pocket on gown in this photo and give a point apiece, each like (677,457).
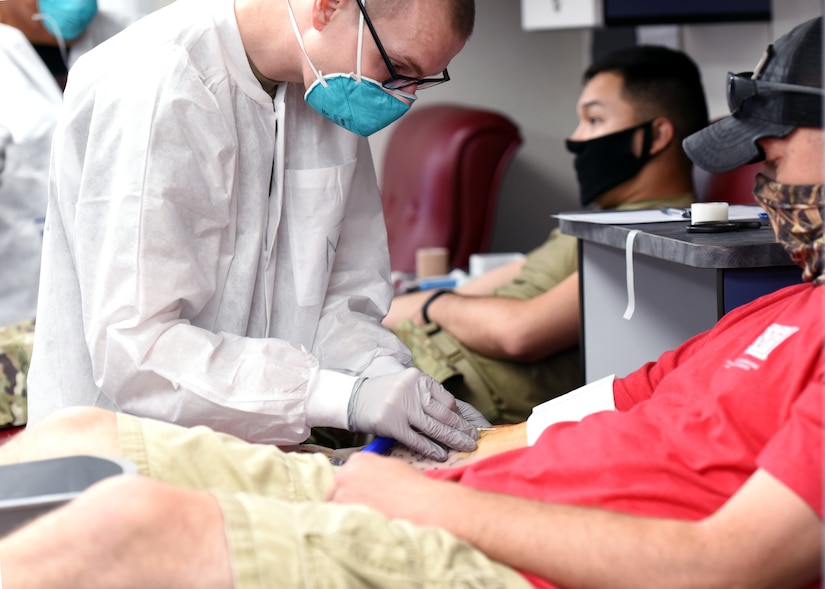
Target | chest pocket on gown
(315,201)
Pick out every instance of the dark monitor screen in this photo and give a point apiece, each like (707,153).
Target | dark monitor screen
(642,12)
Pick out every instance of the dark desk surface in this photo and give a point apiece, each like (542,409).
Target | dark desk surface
(746,248)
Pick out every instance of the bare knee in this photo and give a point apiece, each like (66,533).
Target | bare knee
(68,432)
(180,530)
(150,533)
(77,419)
(132,503)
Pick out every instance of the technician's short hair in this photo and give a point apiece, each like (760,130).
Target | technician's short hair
(462,13)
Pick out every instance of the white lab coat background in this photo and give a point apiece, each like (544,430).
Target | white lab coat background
(30,103)
(29,106)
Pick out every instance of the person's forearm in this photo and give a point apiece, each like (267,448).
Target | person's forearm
(512,329)
(488,282)
(741,545)
(483,324)
(575,546)
(405,306)
(408,306)
(569,546)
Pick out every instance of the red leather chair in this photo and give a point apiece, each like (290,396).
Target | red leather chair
(734,187)
(441,176)
(6,434)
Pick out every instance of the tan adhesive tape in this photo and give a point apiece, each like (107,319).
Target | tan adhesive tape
(432,261)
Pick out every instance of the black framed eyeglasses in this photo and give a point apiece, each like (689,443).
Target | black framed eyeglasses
(742,86)
(396,81)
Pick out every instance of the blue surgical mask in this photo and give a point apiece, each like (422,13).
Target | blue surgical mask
(66,19)
(352,101)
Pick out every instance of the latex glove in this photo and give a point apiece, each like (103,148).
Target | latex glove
(396,405)
(472,415)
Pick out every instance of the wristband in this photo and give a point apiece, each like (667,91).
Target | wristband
(427,303)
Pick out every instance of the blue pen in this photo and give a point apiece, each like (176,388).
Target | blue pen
(379,445)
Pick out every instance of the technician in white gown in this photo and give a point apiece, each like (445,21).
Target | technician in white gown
(215,251)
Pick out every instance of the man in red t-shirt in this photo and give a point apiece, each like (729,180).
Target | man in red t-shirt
(706,472)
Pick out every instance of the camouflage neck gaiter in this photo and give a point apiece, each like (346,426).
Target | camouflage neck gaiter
(795,212)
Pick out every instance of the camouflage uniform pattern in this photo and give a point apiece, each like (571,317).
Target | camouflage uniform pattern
(15,354)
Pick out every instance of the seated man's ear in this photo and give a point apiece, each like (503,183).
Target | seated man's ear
(663,134)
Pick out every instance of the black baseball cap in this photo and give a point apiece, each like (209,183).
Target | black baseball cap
(782,93)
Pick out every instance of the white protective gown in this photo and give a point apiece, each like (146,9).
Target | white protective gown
(209,257)
(30,102)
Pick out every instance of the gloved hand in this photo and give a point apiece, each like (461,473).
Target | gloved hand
(396,405)
(472,415)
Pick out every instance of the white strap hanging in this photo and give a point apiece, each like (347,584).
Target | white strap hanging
(631,290)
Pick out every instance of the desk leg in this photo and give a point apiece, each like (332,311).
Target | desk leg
(673,303)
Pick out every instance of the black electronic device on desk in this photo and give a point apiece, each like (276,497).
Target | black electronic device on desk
(717,226)
(722,226)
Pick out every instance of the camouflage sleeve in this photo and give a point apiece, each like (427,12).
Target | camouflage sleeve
(15,353)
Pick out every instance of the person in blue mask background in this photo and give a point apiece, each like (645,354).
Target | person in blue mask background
(39,40)
(214,250)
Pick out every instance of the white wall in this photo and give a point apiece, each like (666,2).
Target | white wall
(719,49)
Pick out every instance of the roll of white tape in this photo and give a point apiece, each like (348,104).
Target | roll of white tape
(702,212)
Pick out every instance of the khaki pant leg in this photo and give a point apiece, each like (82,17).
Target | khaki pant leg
(200,458)
(282,534)
(321,545)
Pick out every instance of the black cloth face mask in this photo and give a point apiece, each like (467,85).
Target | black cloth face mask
(605,162)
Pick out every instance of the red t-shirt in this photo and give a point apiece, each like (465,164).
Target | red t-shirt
(693,426)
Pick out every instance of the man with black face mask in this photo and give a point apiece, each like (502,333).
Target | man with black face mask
(509,340)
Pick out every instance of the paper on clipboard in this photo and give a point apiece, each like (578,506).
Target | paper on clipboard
(573,406)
